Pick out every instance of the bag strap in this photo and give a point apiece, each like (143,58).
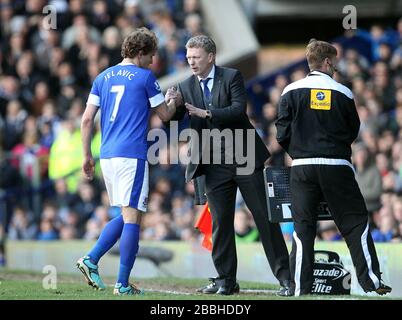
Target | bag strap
(331,256)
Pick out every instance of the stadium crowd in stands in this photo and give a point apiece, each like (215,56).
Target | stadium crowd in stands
(376,82)
(45,77)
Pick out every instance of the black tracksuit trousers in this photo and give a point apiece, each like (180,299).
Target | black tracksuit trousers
(337,185)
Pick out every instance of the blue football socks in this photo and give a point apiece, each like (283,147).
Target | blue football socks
(128,251)
(109,236)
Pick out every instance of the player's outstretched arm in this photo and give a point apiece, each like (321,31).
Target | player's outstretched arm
(175,93)
(166,111)
(87,123)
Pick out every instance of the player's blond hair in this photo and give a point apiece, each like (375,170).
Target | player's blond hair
(317,51)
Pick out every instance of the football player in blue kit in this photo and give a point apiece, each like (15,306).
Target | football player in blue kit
(124,94)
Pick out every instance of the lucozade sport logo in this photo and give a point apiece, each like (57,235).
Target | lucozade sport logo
(335,272)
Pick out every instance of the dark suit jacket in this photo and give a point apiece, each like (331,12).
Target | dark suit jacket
(228,109)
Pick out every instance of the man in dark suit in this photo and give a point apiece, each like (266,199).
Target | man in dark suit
(215,99)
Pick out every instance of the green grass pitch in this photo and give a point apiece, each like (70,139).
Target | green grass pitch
(25,285)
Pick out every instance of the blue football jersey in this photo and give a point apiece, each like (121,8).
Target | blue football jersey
(125,93)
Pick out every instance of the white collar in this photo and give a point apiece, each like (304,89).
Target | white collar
(210,75)
(319,73)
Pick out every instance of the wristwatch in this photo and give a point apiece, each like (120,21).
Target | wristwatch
(209,114)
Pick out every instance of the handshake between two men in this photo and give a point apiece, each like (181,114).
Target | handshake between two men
(173,93)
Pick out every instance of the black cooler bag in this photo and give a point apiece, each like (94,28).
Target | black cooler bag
(330,277)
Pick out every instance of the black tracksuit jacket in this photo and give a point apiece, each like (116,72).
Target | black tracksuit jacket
(328,124)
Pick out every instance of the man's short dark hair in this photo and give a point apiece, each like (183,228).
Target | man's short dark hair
(317,51)
(141,39)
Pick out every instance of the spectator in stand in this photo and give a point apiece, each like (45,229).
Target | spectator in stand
(30,156)
(101,215)
(92,230)
(396,60)
(71,220)
(22,226)
(80,29)
(173,173)
(245,229)
(50,212)
(87,201)
(368,177)
(10,180)
(14,51)
(278,155)
(27,77)
(174,56)
(14,124)
(163,231)
(157,224)
(41,96)
(387,229)
(133,12)
(68,232)
(269,113)
(397,208)
(46,134)
(183,215)
(112,41)
(101,17)
(47,231)
(9,90)
(383,164)
(66,155)
(328,231)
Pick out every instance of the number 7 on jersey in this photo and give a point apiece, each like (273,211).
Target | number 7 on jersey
(120,91)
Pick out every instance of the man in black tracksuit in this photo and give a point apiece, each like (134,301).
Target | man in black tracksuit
(317,123)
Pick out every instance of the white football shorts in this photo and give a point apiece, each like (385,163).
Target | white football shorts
(127,182)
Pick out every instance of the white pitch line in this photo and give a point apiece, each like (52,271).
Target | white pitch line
(269,291)
(168,291)
(266,291)
(163,291)
(188,293)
